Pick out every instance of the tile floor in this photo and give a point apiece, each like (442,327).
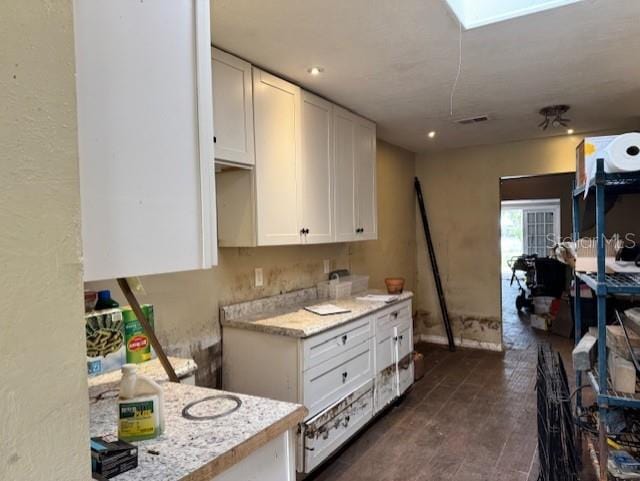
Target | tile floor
(471,418)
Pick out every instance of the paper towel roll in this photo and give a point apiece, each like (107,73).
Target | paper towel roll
(623,153)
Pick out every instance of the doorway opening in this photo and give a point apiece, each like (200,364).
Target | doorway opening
(529,227)
(535,214)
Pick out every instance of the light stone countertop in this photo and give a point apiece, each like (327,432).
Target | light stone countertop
(152,368)
(196,450)
(294,321)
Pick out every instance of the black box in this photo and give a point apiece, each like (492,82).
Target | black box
(111,457)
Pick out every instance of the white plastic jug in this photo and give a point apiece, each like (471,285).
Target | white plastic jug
(140,406)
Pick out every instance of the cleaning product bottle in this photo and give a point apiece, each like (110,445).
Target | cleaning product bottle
(105,301)
(140,407)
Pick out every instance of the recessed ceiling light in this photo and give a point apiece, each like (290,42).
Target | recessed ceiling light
(315,70)
(431,134)
(570,131)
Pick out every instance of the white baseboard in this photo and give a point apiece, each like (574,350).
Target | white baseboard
(469,343)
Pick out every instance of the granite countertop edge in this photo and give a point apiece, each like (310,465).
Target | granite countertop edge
(254,323)
(234,456)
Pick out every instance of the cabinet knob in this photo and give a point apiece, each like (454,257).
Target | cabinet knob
(344,339)
(304,230)
(346,420)
(344,376)
(394,315)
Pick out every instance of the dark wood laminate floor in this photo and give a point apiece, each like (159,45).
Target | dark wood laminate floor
(471,418)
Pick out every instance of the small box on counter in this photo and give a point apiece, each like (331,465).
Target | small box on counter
(116,337)
(137,343)
(111,457)
(105,341)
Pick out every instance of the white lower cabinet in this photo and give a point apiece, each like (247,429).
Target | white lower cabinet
(275,461)
(344,376)
(327,431)
(394,351)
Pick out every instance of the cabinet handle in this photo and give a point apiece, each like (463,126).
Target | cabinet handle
(344,339)
(394,315)
(344,376)
(325,435)
(214,139)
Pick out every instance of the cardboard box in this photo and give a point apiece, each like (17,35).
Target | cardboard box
(111,457)
(587,152)
(137,343)
(105,341)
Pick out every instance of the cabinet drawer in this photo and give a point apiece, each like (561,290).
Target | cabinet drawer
(326,432)
(324,346)
(327,383)
(393,316)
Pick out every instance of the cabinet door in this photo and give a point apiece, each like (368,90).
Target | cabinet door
(145,137)
(277,142)
(365,155)
(344,175)
(316,169)
(232,108)
(386,367)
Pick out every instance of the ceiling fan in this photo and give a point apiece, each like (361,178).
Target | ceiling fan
(553,115)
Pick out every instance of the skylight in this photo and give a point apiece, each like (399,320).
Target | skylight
(476,13)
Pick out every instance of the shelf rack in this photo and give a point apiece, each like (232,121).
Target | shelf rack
(603,284)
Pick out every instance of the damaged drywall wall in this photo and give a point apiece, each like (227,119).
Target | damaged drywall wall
(187,303)
(462,194)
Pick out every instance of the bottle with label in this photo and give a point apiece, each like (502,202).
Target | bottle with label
(105,301)
(140,406)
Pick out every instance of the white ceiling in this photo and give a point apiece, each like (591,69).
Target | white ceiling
(395,61)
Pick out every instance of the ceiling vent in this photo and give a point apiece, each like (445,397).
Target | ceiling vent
(472,120)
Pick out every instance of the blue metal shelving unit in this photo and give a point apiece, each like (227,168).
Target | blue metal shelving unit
(603,284)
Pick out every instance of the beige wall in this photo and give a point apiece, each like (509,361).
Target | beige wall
(462,192)
(187,303)
(44,432)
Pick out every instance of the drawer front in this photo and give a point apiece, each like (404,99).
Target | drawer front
(324,346)
(324,434)
(327,383)
(394,315)
(405,373)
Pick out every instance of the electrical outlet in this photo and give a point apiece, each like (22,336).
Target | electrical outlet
(327,266)
(259,278)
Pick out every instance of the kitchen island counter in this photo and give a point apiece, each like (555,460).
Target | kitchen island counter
(200,450)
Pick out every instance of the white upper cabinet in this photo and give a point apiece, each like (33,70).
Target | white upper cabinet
(355,209)
(232,108)
(365,156)
(145,128)
(316,170)
(345,214)
(277,120)
(314,179)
